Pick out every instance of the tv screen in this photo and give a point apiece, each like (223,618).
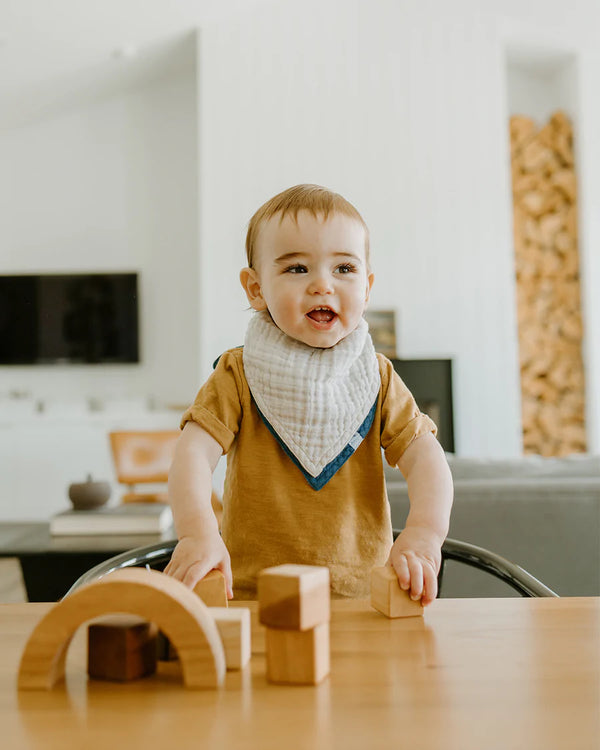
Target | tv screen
(78,318)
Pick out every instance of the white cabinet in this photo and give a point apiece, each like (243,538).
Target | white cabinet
(41,455)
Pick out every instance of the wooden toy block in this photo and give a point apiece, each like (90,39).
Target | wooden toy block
(164,649)
(149,594)
(233,625)
(388,598)
(213,592)
(298,657)
(212,589)
(293,597)
(121,648)
(234,628)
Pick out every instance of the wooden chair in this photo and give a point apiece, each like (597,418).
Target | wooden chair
(145,457)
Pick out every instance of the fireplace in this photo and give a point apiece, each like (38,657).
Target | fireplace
(430,382)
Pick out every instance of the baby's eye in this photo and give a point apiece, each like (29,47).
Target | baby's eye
(346,268)
(296,268)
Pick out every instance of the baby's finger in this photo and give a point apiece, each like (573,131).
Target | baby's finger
(195,573)
(400,565)
(175,570)
(225,567)
(430,584)
(415,567)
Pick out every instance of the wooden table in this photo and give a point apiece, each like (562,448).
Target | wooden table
(476,673)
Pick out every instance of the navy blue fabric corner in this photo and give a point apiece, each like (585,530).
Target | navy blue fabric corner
(333,466)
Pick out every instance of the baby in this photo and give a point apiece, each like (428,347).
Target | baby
(302,411)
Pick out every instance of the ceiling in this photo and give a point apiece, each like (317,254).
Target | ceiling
(54,53)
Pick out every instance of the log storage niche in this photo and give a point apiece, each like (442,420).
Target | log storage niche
(548,290)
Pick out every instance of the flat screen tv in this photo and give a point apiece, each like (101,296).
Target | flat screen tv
(89,318)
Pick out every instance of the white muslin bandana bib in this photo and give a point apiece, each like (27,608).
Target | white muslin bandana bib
(318,403)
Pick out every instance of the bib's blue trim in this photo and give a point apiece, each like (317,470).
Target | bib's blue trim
(333,466)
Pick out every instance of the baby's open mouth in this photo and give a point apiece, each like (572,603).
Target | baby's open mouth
(321,315)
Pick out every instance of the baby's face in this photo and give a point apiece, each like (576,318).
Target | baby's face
(311,275)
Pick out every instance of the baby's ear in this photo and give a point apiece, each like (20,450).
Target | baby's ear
(251,283)
(370,280)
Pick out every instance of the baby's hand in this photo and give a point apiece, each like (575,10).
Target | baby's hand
(416,557)
(194,557)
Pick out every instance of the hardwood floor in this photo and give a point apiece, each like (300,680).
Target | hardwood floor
(11,581)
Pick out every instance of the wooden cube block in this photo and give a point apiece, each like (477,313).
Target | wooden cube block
(298,657)
(293,597)
(121,648)
(388,598)
(212,589)
(233,624)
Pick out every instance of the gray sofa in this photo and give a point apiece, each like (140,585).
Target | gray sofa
(540,513)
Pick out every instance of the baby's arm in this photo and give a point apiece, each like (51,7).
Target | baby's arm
(416,553)
(200,547)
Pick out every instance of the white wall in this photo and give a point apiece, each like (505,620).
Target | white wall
(588,160)
(111,186)
(402,107)
(381,101)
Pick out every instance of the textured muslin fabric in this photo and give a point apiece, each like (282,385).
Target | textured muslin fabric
(272,516)
(315,400)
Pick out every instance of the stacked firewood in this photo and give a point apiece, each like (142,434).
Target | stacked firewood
(548,290)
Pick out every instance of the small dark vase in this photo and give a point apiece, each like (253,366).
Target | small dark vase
(89,494)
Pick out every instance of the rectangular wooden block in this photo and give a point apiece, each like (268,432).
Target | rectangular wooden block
(298,657)
(233,624)
(388,598)
(121,648)
(294,597)
(212,589)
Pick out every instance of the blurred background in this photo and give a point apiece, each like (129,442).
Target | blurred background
(138,139)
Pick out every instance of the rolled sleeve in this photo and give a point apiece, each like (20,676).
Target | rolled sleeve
(420,425)
(217,407)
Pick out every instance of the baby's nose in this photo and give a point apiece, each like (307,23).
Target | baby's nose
(321,283)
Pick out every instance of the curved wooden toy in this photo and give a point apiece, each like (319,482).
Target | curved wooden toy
(175,609)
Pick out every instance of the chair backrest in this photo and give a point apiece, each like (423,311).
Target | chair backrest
(158,555)
(143,456)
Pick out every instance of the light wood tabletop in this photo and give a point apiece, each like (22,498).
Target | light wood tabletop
(473,673)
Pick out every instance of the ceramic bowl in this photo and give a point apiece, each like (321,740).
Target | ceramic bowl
(89,494)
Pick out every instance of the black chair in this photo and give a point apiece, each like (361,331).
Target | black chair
(156,556)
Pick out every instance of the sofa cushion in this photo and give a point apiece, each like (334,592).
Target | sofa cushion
(577,466)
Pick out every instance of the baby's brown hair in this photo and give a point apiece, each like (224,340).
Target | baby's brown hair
(313,198)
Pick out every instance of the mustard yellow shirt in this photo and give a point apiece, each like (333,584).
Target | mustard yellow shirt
(271,515)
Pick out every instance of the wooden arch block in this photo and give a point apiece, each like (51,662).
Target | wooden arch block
(154,596)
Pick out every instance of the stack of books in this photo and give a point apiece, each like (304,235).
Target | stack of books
(130,518)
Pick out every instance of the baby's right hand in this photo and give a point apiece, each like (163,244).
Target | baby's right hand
(194,557)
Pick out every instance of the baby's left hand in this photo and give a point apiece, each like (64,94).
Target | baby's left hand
(416,557)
